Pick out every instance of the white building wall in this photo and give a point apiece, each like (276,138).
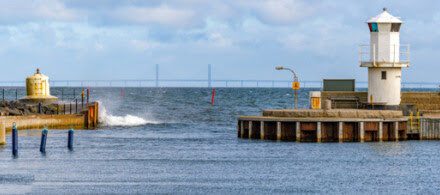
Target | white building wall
(385,43)
(395,46)
(384,91)
(374,39)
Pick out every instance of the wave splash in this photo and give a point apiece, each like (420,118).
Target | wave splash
(127,120)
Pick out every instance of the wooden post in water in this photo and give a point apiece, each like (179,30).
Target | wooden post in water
(279,131)
(261,129)
(318,132)
(396,131)
(341,131)
(361,132)
(241,129)
(380,131)
(250,130)
(298,131)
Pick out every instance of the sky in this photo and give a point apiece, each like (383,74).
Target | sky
(242,39)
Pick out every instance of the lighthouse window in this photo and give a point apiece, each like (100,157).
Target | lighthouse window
(373,27)
(395,27)
(384,75)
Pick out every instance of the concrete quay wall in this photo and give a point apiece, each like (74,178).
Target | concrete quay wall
(76,121)
(322,129)
(86,119)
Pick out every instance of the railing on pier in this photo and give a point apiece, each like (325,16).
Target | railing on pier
(71,101)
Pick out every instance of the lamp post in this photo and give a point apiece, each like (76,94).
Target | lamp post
(295,84)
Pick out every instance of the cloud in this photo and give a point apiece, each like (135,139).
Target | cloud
(280,12)
(161,15)
(242,35)
(21,11)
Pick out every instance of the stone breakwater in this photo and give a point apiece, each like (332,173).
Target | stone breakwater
(55,115)
(17,108)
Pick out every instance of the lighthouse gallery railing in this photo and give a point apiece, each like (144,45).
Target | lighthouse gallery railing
(369,53)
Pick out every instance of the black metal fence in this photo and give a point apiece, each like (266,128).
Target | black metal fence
(71,100)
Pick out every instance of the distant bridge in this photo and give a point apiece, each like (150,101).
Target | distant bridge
(249,83)
(208,82)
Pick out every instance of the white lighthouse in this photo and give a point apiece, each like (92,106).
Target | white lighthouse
(386,59)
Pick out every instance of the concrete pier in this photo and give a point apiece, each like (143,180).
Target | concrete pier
(82,120)
(326,129)
(379,126)
(323,129)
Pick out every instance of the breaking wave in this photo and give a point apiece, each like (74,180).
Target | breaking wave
(128,120)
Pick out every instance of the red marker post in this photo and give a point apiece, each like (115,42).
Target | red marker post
(213,97)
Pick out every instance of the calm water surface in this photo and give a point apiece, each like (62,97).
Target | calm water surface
(172,140)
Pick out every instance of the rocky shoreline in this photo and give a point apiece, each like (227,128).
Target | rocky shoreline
(18,108)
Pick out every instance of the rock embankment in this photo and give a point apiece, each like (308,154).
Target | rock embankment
(17,108)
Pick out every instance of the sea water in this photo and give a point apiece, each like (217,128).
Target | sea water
(172,140)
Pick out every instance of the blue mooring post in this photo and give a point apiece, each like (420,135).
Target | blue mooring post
(43,141)
(14,140)
(70,139)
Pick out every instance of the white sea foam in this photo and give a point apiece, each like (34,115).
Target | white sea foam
(128,120)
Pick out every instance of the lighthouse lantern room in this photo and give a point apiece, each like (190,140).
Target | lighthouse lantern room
(385,61)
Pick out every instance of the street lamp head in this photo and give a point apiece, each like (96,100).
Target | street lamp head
(279,68)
